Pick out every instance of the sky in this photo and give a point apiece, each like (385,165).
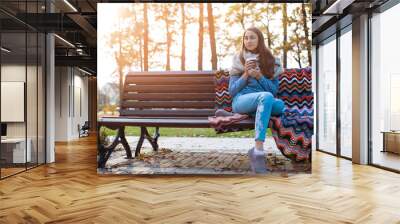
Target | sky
(108,17)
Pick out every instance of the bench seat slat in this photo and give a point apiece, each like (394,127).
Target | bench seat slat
(165,122)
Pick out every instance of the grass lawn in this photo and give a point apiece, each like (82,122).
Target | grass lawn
(186,132)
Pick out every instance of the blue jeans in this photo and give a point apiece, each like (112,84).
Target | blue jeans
(261,105)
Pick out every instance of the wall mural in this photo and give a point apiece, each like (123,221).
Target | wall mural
(202,88)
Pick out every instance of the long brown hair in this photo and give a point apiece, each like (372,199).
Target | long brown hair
(267,60)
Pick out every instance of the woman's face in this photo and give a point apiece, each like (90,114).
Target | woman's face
(250,40)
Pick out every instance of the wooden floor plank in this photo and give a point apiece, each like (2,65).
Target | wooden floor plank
(71,191)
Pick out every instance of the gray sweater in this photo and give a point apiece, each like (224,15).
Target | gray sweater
(239,86)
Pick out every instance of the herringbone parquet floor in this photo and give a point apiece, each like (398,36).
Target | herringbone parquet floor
(70,191)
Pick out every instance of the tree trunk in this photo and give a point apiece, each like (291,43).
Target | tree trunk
(168,66)
(146,39)
(269,37)
(141,54)
(298,51)
(165,16)
(139,39)
(242,17)
(211,29)
(297,42)
(183,55)
(305,27)
(121,78)
(285,25)
(201,31)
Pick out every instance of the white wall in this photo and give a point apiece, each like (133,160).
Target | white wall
(79,110)
(71,94)
(61,103)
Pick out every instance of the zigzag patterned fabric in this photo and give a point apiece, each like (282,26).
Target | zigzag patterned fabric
(223,99)
(293,130)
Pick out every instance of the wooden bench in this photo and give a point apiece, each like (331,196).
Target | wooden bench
(162,99)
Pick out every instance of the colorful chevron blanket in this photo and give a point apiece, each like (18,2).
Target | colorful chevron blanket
(221,122)
(293,130)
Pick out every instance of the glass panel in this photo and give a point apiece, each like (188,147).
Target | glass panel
(31,87)
(31,97)
(346,94)
(327,97)
(385,84)
(41,99)
(23,86)
(13,85)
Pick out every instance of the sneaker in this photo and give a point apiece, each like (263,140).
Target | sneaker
(257,162)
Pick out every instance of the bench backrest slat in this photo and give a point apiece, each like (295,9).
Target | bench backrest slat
(169,94)
(170,80)
(140,88)
(169,104)
(168,113)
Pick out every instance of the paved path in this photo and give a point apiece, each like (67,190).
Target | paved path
(197,155)
(205,144)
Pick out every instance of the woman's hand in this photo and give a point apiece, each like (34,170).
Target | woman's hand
(255,73)
(249,65)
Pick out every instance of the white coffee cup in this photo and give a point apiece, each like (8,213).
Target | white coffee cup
(255,60)
(251,59)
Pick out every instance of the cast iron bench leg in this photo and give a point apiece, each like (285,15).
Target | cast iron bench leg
(105,151)
(153,140)
(155,137)
(140,142)
(121,134)
(145,134)
(101,150)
